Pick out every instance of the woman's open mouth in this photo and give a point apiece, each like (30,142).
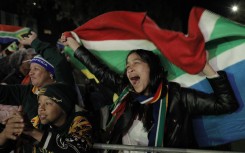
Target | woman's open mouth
(134,80)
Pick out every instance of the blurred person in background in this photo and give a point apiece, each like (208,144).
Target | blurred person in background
(19,63)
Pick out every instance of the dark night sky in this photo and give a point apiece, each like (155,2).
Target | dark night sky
(164,12)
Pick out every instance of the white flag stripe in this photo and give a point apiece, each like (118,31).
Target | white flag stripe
(207,23)
(234,55)
(10,37)
(109,45)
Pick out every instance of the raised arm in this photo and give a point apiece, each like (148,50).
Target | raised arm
(63,69)
(102,72)
(221,100)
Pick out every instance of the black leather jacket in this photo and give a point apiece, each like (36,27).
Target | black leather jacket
(183,103)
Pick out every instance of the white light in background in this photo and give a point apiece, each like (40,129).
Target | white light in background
(47,31)
(234,8)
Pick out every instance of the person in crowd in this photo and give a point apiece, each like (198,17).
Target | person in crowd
(5,68)
(57,128)
(48,68)
(19,63)
(150,110)
(41,74)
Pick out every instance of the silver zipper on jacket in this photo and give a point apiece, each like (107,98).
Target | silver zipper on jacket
(174,134)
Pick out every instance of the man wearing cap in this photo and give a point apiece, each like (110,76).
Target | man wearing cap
(48,68)
(58,128)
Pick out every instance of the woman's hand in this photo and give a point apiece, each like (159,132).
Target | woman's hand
(28,40)
(208,69)
(69,41)
(14,126)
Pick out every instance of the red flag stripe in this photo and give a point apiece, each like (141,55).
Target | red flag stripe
(9,28)
(185,51)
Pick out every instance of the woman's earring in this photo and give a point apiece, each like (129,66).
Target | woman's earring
(51,76)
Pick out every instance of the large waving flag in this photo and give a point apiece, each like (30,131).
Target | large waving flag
(9,33)
(112,35)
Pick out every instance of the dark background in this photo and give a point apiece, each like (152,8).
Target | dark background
(57,16)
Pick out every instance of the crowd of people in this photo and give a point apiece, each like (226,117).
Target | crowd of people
(45,114)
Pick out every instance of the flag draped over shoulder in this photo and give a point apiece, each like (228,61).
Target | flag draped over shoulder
(9,33)
(112,35)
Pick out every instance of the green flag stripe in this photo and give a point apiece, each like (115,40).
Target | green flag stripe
(226,28)
(116,61)
(214,26)
(207,23)
(110,58)
(222,45)
(231,56)
(114,53)
(161,122)
(14,35)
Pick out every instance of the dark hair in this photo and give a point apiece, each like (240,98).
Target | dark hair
(157,73)
(15,59)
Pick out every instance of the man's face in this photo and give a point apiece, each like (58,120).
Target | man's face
(39,76)
(50,112)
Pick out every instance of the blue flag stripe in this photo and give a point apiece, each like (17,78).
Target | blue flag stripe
(209,128)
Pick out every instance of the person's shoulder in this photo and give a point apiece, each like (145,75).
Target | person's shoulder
(174,85)
(27,87)
(79,118)
(174,88)
(80,113)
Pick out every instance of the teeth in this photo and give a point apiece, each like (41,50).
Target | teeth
(42,116)
(135,78)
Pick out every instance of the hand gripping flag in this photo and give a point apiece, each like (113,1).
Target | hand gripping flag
(9,33)
(112,35)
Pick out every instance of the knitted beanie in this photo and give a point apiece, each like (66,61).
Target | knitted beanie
(44,63)
(63,94)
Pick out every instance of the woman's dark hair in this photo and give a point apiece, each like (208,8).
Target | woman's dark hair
(157,73)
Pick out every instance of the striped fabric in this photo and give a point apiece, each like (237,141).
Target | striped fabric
(9,33)
(112,35)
